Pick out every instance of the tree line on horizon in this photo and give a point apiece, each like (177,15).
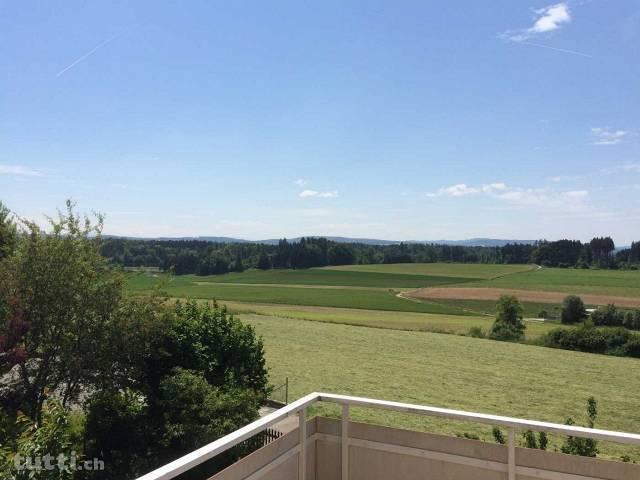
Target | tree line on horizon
(202,257)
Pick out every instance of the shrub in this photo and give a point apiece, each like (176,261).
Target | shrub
(52,436)
(585,447)
(632,320)
(508,325)
(608,316)
(573,310)
(477,332)
(611,341)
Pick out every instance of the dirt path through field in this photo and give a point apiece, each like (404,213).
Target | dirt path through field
(463,293)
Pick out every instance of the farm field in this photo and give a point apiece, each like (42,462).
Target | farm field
(362,298)
(425,322)
(622,283)
(327,277)
(473,270)
(451,371)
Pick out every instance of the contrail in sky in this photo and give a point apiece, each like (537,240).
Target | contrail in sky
(88,54)
(572,52)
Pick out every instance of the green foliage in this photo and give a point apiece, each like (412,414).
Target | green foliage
(68,296)
(205,338)
(201,375)
(498,436)
(8,232)
(477,332)
(116,430)
(608,315)
(587,338)
(538,442)
(195,412)
(46,441)
(573,310)
(586,447)
(508,325)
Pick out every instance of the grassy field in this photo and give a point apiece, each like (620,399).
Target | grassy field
(371,299)
(624,283)
(451,371)
(463,270)
(326,277)
(424,322)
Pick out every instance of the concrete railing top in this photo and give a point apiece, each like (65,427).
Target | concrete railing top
(197,457)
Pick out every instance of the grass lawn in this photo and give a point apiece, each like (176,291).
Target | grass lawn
(321,276)
(373,299)
(624,283)
(451,371)
(464,270)
(425,322)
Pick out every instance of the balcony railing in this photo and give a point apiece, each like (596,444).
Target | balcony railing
(299,407)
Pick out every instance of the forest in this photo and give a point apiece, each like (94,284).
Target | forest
(210,258)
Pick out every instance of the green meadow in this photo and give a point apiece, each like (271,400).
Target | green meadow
(465,270)
(362,298)
(451,371)
(625,283)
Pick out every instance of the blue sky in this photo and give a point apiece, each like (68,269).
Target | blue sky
(395,120)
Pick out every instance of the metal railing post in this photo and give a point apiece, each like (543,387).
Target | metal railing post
(345,442)
(511,454)
(302,455)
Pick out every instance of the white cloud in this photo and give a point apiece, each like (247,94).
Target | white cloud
(494,187)
(547,19)
(539,197)
(458,190)
(19,170)
(606,136)
(301,182)
(316,194)
(462,190)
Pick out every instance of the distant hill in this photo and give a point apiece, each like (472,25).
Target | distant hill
(471,242)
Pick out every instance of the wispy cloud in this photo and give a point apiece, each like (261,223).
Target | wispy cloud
(316,194)
(540,197)
(88,54)
(19,170)
(301,182)
(457,190)
(546,19)
(606,136)
(462,190)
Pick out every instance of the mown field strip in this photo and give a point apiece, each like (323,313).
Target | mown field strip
(463,270)
(454,324)
(451,371)
(360,298)
(322,276)
(615,283)
(288,285)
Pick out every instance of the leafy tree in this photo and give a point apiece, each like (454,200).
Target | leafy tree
(508,325)
(8,232)
(586,447)
(202,376)
(573,310)
(67,295)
